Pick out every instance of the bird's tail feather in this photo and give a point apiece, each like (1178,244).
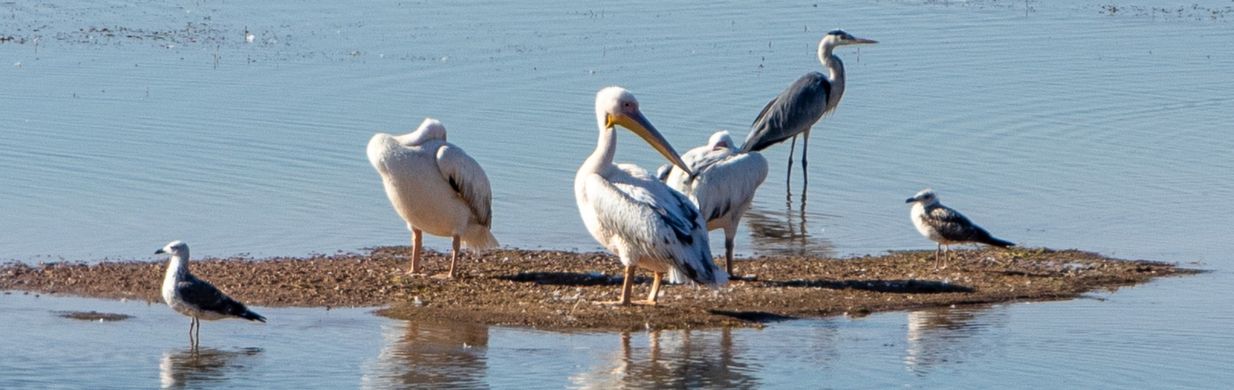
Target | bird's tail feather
(251,316)
(991,240)
(480,238)
(707,275)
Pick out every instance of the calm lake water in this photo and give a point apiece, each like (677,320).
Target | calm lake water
(1092,125)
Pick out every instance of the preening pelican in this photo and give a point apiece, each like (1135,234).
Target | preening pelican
(635,216)
(804,102)
(946,226)
(724,186)
(194,297)
(435,187)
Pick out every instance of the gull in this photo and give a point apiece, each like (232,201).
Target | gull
(946,226)
(196,298)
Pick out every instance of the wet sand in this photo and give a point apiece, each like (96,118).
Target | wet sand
(559,290)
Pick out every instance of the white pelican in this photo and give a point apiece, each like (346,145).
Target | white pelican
(724,187)
(946,226)
(196,298)
(638,218)
(435,187)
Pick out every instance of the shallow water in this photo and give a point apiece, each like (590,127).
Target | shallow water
(1061,124)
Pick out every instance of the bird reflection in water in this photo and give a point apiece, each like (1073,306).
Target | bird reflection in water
(431,355)
(192,367)
(673,359)
(784,233)
(940,336)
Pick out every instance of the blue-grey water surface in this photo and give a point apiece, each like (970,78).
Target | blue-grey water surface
(1099,126)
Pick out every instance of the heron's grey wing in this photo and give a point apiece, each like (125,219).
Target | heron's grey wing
(642,210)
(468,181)
(952,225)
(792,112)
(205,297)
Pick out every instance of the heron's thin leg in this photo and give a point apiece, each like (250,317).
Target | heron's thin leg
(416,245)
(938,251)
(805,150)
(454,258)
(791,147)
(197,333)
(655,289)
(192,321)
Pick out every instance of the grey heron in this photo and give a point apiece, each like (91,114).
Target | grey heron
(636,217)
(194,297)
(724,186)
(436,188)
(945,226)
(795,110)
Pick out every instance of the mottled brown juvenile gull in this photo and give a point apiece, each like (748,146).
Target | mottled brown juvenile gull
(946,226)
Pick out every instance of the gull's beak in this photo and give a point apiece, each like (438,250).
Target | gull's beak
(160,251)
(638,124)
(862,41)
(910,200)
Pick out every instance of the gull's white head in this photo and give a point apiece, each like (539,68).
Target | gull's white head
(615,106)
(926,197)
(175,248)
(720,140)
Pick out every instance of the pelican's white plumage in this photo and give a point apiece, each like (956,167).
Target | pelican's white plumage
(724,186)
(435,187)
(638,218)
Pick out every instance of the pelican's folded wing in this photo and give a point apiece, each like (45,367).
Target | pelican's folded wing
(468,180)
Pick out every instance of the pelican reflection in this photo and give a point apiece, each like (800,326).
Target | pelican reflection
(673,359)
(431,355)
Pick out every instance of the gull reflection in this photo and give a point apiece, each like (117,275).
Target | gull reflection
(784,233)
(191,368)
(673,359)
(431,355)
(940,336)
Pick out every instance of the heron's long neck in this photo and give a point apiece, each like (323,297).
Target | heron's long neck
(835,71)
(602,157)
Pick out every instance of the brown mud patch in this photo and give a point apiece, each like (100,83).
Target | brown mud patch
(558,290)
(93,316)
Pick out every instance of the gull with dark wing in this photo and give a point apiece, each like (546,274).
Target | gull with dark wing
(196,298)
(436,188)
(723,184)
(946,226)
(795,110)
(636,217)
